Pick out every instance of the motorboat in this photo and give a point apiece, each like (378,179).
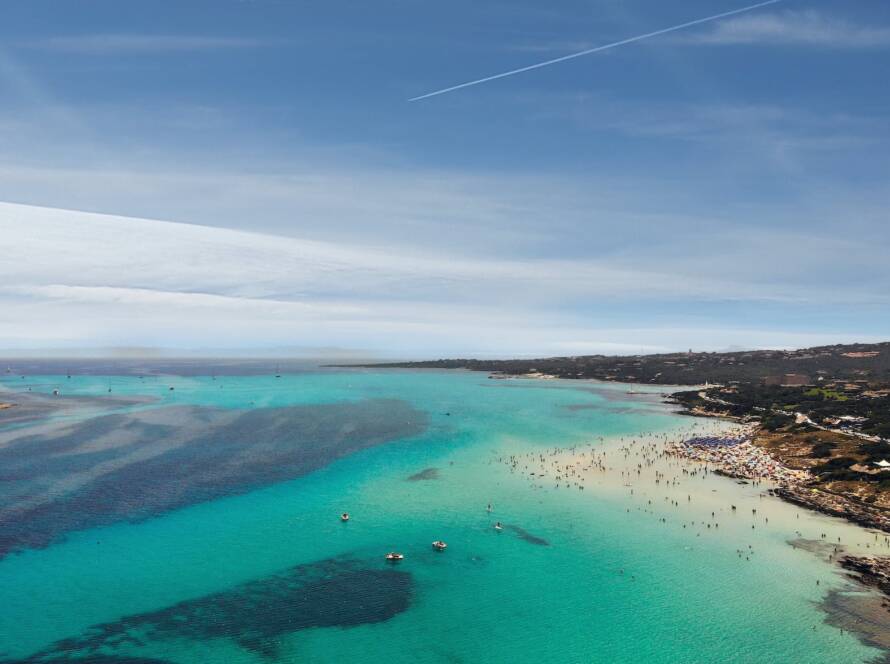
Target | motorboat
(439,545)
(394,557)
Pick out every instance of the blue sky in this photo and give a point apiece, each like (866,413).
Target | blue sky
(722,186)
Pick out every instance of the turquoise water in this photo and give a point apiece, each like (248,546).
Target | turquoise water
(598,578)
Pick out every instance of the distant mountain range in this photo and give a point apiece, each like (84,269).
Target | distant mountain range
(867,363)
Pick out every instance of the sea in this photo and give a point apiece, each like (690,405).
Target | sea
(155,517)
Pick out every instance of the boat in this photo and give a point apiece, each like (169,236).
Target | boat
(439,545)
(344,517)
(394,557)
(498,526)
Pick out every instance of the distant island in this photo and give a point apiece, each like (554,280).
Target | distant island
(825,410)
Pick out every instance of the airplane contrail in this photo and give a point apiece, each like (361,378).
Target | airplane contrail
(596,49)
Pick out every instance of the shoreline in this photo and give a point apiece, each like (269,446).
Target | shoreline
(867,611)
(831,504)
(792,485)
(864,608)
(872,571)
(743,459)
(641,467)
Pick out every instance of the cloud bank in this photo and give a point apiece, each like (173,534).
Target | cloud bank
(795,28)
(75,279)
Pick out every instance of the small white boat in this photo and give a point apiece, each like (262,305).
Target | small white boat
(344,517)
(394,557)
(439,545)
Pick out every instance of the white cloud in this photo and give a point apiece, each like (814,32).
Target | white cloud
(79,279)
(127,257)
(808,28)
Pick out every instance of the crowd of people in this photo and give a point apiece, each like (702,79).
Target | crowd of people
(736,456)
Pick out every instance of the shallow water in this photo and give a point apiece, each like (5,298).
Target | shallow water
(249,562)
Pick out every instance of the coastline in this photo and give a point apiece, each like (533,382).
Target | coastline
(871,571)
(745,460)
(749,462)
(650,467)
(793,485)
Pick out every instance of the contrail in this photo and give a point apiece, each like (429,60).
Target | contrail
(597,49)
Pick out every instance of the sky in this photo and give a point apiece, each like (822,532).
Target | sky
(250,177)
